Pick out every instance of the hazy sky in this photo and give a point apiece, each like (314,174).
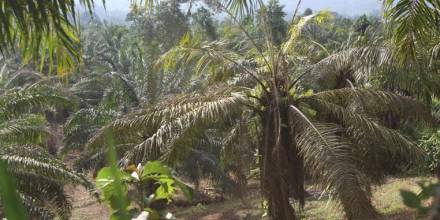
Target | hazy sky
(346,7)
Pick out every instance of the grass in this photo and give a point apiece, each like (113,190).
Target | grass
(386,199)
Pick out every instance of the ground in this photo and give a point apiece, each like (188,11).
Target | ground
(386,198)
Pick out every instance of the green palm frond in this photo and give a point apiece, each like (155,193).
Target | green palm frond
(357,64)
(157,129)
(111,89)
(213,57)
(90,89)
(120,91)
(42,29)
(22,78)
(83,124)
(40,180)
(412,23)
(242,7)
(329,157)
(148,119)
(95,159)
(362,129)
(43,198)
(35,208)
(297,28)
(239,8)
(26,129)
(377,103)
(13,103)
(435,53)
(32,159)
(377,63)
(161,141)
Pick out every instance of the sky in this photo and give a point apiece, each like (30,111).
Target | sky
(345,7)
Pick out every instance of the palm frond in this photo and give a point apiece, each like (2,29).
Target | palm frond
(147,120)
(296,29)
(199,159)
(13,103)
(95,159)
(367,132)
(377,103)
(35,208)
(328,156)
(358,64)
(22,78)
(214,58)
(32,159)
(44,197)
(26,129)
(239,8)
(412,22)
(41,30)
(83,124)
(161,141)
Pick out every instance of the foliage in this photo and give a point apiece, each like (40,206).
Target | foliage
(413,23)
(430,143)
(216,99)
(320,129)
(13,207)
(275,18)
(42,30)
(24,133)
(154,184)
(203,22)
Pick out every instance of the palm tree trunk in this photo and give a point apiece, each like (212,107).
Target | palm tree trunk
(357,207)
(282,168)
(294,170)
(275,187)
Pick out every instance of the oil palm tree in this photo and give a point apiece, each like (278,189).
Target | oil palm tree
(102,98)
(336,136)
(24,132)
(204,161)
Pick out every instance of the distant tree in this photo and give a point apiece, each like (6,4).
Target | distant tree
(307,12)
(361,24)
(202,20)
(170,23)
(275,20)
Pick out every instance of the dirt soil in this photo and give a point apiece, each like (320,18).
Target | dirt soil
(386,198)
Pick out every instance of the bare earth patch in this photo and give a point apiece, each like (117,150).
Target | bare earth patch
(85,206)
(386,198)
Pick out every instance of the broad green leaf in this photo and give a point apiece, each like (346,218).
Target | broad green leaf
(118,194)
(12,205)
(154,167)
(105,181)
(166,188)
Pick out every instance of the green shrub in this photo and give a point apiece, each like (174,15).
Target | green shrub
(155,186)
(430,143)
